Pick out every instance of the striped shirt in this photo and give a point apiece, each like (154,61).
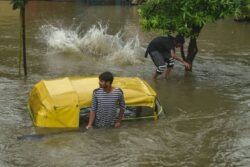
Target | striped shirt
(105,105)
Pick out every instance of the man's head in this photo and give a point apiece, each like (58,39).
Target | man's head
(106,79)
(179,40)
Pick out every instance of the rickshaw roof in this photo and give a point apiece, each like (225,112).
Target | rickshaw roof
(137,92)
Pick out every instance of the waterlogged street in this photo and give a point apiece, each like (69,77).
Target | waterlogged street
(207,111)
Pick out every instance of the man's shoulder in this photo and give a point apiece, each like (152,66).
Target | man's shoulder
(163,39)
(167,37)
(159,38)
(97,90)
(118,89)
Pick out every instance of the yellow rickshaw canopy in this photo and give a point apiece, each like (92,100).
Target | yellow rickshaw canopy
(57,103)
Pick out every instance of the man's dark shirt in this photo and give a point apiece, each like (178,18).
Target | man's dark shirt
(161,44)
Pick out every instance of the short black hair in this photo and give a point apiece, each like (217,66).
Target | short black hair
(179,39)
(106,76)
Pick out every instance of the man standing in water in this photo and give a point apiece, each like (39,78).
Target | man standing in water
(162,51)
(105,101)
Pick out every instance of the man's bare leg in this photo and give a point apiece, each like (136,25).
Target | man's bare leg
(167,73)
(155,75)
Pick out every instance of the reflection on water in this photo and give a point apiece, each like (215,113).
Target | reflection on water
(207,110)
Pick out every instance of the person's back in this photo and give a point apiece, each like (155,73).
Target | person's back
(162,44)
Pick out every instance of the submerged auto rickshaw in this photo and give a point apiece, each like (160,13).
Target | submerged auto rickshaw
(62,103)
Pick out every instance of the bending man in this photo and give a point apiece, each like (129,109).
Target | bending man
(162,52)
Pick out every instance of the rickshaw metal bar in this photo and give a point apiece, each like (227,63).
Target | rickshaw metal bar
(31,115)
(148,117)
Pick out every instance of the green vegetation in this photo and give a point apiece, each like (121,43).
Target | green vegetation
(185,17)
(20,4)
(243,12)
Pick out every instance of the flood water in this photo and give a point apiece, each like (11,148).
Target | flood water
(207,122)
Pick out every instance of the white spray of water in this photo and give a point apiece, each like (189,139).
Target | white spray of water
(59,38)
(95,42)
(130,53)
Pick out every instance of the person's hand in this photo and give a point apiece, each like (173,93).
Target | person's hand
(117,124)
(187,66)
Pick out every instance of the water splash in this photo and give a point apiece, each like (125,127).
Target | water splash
(130,53)
(59,38)
(96,42)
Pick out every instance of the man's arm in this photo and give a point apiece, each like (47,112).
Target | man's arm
(92,113)
(91,119)
(174,56)
(122,110)
(182,52)
(119,120)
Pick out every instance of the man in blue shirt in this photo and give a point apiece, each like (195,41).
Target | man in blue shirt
(105,102)
(162,52)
